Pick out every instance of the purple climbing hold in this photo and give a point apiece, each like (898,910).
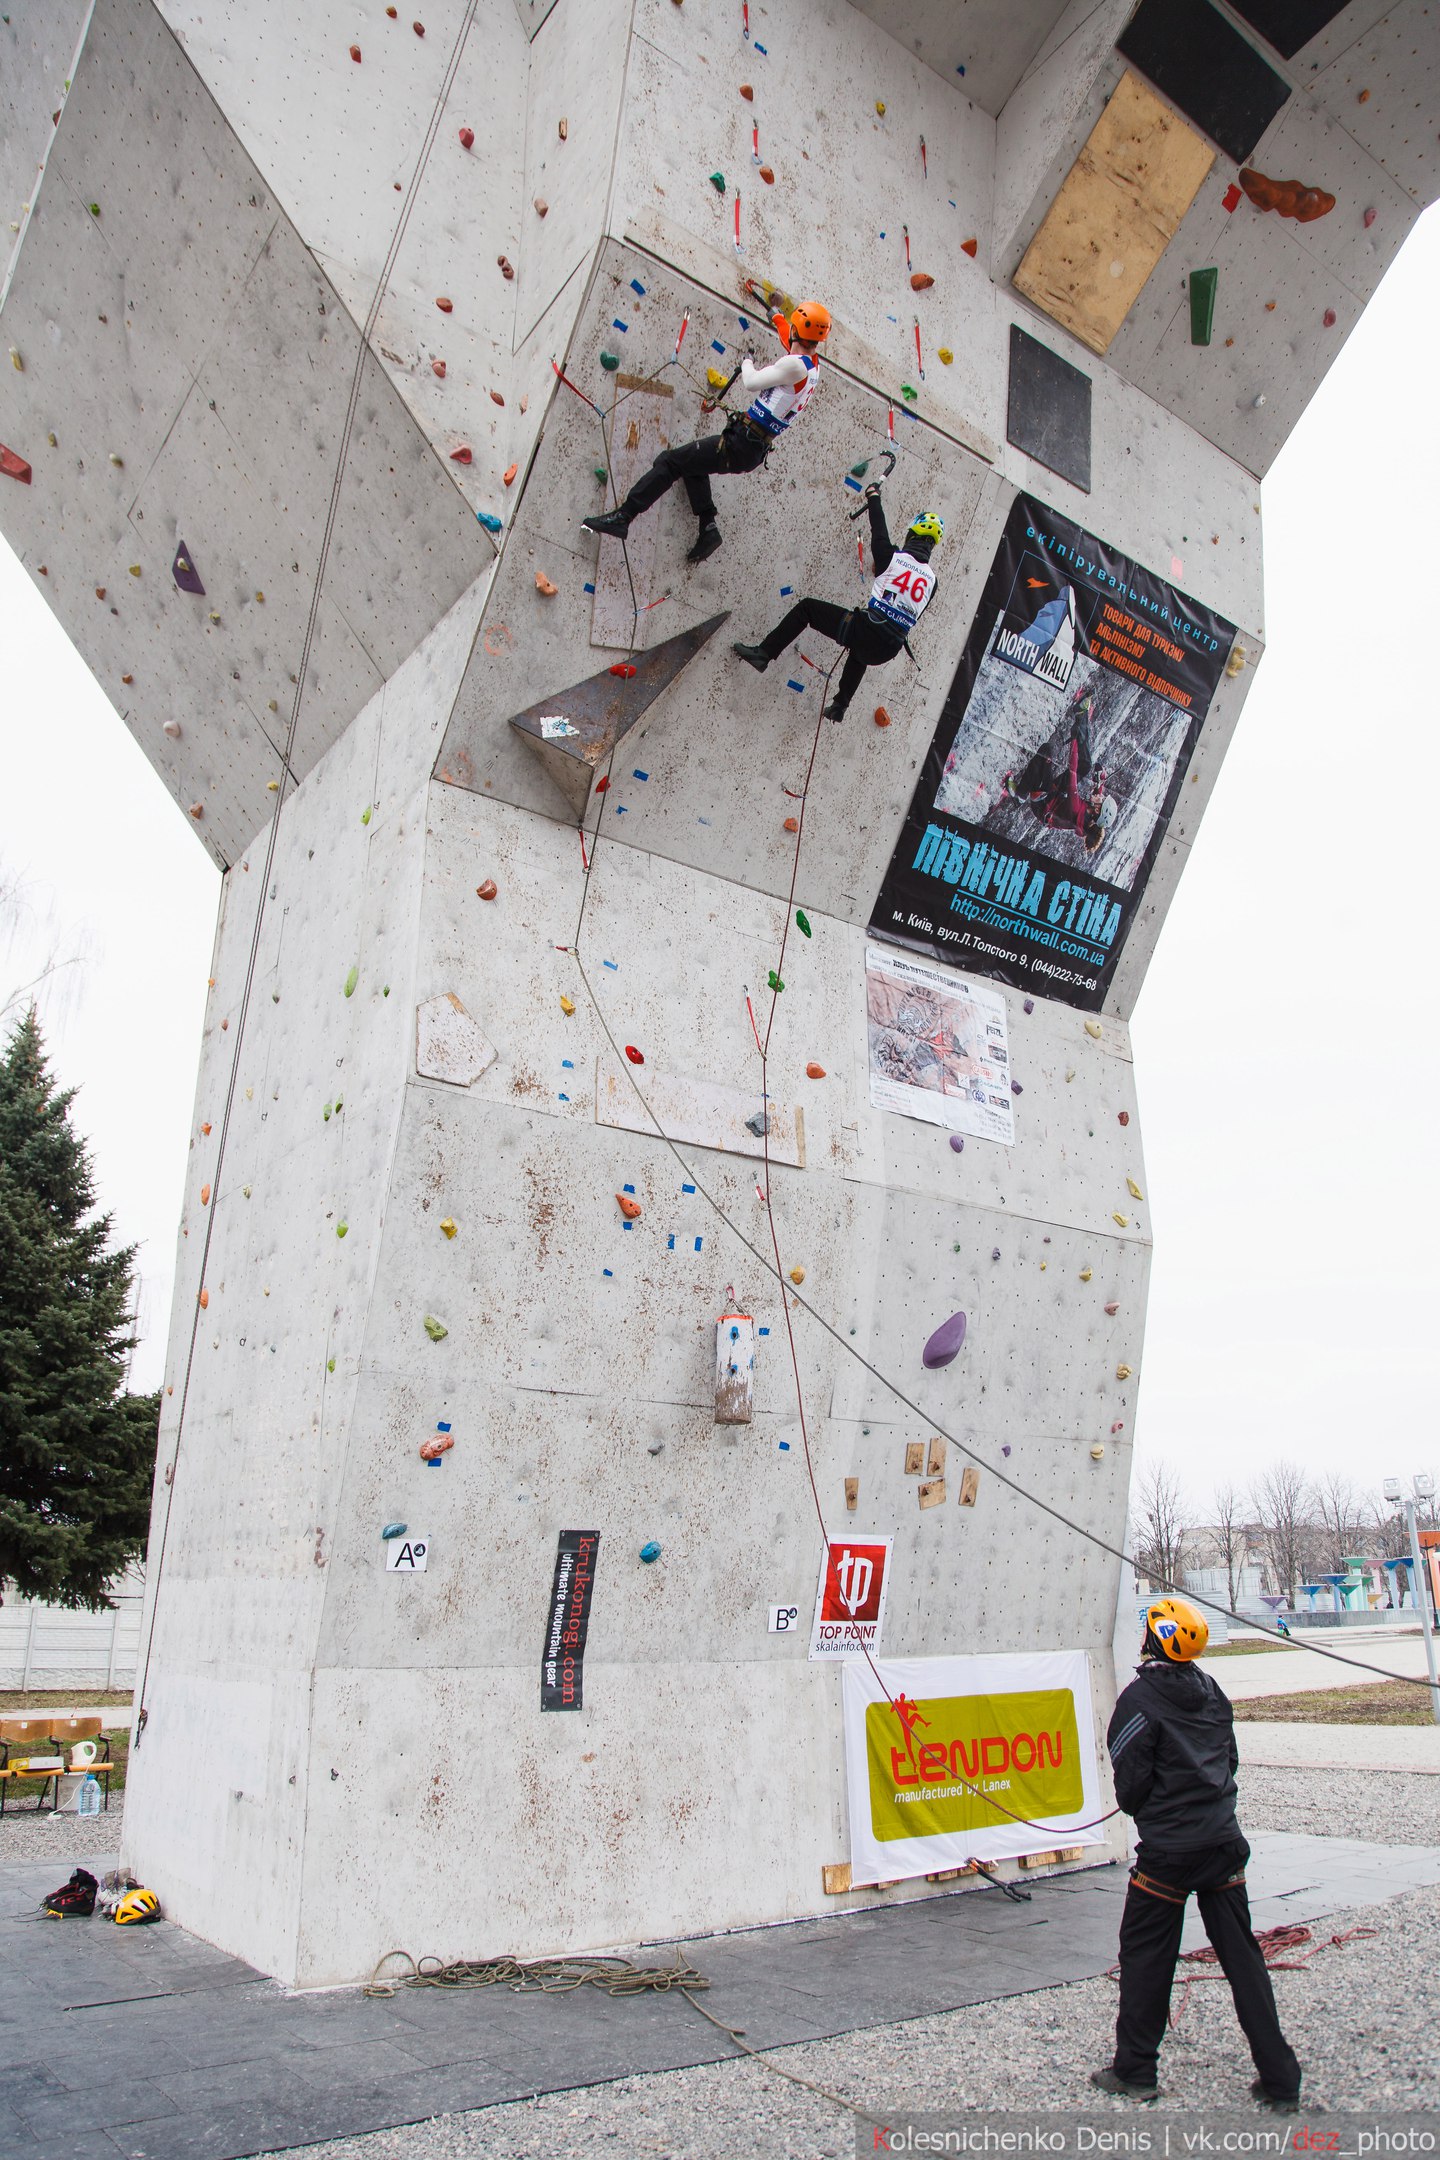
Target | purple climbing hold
(995,1254)
(1029,1004)
(1005,1448)
(185,574)
(1015,1088)
(957,1142)
(944,1345)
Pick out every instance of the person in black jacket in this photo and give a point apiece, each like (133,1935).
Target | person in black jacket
(1172,1750)
(877,632)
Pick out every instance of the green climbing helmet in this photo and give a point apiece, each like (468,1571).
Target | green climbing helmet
(928,526)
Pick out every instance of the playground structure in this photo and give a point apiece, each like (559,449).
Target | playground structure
(328,329)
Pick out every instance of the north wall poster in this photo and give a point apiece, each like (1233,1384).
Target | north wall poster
(1061,748)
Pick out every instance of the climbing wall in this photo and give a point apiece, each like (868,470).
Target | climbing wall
(564,901)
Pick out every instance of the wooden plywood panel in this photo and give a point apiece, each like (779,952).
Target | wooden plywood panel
(639,430)
(697,1113)
(1116,212)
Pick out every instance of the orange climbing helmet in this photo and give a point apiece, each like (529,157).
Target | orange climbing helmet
(810,322)
(1181,1631)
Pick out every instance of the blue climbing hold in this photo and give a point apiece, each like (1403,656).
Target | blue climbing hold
(649,1552)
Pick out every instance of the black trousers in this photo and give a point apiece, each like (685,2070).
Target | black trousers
(1150,1929)
(736,451)
(867,643)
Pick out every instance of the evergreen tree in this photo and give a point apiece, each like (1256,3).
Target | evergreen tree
(76,1452)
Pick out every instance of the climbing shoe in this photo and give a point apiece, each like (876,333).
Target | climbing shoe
(1110,2081)
(612,523)
(74,1900)
(834,711)
(707,543)
(754,655)
(1278,2103)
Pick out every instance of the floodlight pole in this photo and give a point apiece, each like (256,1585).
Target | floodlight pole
(1420,1580)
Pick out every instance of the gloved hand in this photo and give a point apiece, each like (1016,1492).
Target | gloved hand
(872,492)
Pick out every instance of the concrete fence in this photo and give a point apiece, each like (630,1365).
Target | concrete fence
(49,1646)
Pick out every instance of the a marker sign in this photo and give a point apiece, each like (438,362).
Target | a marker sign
(406,1556)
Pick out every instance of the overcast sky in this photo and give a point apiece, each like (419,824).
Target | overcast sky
(1284,1045)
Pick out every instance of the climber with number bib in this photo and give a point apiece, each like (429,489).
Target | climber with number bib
(874,634)
(1173,1755)
(778,395)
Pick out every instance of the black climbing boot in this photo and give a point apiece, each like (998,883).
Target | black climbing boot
(755,655)
(614,524)
(1278,2103)
(707,543)
(1110,2081)
(834,710)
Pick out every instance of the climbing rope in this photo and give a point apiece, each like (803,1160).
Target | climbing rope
(1272,1942)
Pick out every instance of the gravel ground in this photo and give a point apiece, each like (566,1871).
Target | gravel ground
(26,1834)
(1390,1807)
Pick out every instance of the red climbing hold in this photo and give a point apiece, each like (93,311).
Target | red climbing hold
(1230,200)
(439,368)
(418,28)
(747,93)
(970,248)
(393,13)
(623,669)
(920,281)
(1328,318)
(467,138)
(446,307)
(636,1057)
(12,463)
(767,174)
(882,718)
(488,890)
(1369,219)
(792,824)
(496,397)
(602,783)
(462,456)
(507,269)
(1123,1117)
(355,52)
(507,478)
(814,1072)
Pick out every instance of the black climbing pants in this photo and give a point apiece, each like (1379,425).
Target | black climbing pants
(1150,1929)
(738,450)
(867,643)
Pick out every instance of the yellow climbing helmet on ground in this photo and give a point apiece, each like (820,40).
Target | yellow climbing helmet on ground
(928,526)
(1181,1631)
(136,1909)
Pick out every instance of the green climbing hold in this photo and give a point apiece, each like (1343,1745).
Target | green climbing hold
(717,181)
(1203,284)
(775,982)
(601,475)
(365,814)
(907,390)
(329,1107)
(858,472)
(350,981)
(329,1364)
(386,991)
(94,209)
(435,1329)
(610,360)
(802,923)
(339,1104)
(341,1228)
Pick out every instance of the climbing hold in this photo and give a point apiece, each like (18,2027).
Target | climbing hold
(957,1142)
(542,208)
(341,1228)
(543,585)
(908,391)
(488,890)
(1363,98)
(1122,1372)
(797,1275)
(1123,1220)
(467,138)
(636,1057)
(1235,665)
(814,1072)
(649,1551)
(1135,1192)
(1369,219)
(1328,318)
(507,478)
(245,1189)
(1097,1450)
(171,728)
(354,54)
(920,281)
(944,356)
(365,814)
(601,785)
(567,1006)
(440,1444)
(127,678)
(882,718)
(204,1301)
(715,379)
(624,670)
(462,456)
(564,131)
(1112,1310)
(630,1209)
(418,28)
(445,305)
(1122,1117)
(394,1529)
(880,107)
(1015,1088)
(204,1196)
(1203,284)
(970,247)
(1230,200)
(609,361)
(1028,1006)
(792,824)
(802,923)
(134,569)
(507,269)
(488,519)
(330,1364)
(435,1329)
(449,1225)
(944,1345)
(774,981)
(350,981)
(197,811)
(767,174)
(1086,1274)
(1291,198)
(758,1123)
(1093,1028)
(206,1130)
(717,181)
(438,368)
(747,92)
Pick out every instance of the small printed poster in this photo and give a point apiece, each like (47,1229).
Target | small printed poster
(939,1047)
(850,1602)
(562,1665)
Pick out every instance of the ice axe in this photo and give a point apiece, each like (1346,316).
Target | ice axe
(889,457)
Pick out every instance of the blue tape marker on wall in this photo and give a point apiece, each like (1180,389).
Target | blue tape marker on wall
(637,287)
(795,685)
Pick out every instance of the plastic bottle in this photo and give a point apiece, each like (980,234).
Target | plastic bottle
(88,1802)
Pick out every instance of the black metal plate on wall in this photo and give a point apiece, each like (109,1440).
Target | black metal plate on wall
(1049,409)
(1207,70)
(1288,24)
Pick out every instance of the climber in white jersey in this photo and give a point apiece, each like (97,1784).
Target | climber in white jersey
(877,632)
(778,395)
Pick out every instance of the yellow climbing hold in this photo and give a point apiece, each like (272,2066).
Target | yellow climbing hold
(341,1228)
(1134,1190)
(945,356)
(435,1329)
(1123,1220)
(797,1275)
(880,107)
(449,1225)
(567,1006)
(1093,1027)
(715,379)
(1086,1273)
(1122,1372)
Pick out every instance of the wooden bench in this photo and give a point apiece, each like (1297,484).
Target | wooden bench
(34,1746)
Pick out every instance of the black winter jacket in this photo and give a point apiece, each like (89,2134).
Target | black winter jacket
(1172,1749)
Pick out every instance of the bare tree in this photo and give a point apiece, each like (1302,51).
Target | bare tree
(1284,1510)
(1230,1536)
(1341,1519)
(1157,1515)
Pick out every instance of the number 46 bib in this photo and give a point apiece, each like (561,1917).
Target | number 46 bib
(900,595)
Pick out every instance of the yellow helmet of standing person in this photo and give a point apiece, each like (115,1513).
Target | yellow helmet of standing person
(1180,1630)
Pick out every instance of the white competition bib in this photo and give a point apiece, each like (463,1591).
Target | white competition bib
(901,594)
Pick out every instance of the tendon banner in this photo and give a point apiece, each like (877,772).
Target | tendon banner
(942,1755)
(1044,798)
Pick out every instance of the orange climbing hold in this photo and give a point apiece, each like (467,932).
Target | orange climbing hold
(882,718)
(920,281)
(99,592)
(204,1196)
(206,1130)
(629,1208)
(488,890)
(462,455)
(970,248)
(446,307)
(467,138)
(792,824)
(204,1300)
(814,1072)
(508,477)
(767,174)
(1291,198)
(543,585)
(747,92)
(197,810)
